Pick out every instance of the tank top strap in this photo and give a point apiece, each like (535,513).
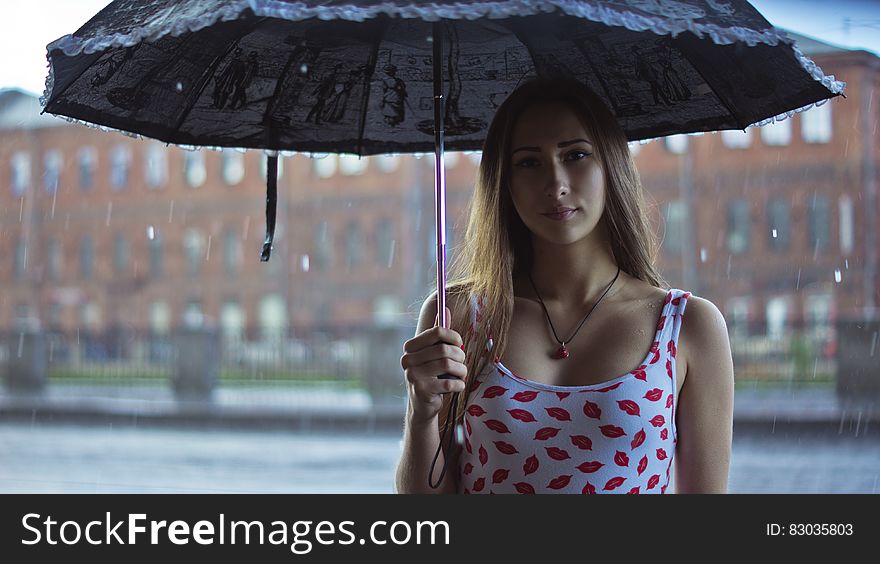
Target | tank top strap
(675,316)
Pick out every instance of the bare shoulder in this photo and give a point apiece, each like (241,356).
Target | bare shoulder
(703,339)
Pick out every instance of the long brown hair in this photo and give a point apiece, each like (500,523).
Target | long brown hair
(497,245)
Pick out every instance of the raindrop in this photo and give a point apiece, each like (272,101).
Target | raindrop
(170,211)
(703,254)
(391,253)
(798,283)
(774,234)
(20,210)
(304,263)
(151,234)
(837,275)
(304,69)
(20,343)
(180,87)
(846,263)
(208,253)
(109,211)
(54,197)
(247,224)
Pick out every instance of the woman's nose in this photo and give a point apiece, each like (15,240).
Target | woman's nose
(558,181)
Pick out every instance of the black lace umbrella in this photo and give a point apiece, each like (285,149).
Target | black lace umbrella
(395,76)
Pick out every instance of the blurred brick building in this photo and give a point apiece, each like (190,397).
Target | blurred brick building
(99,231)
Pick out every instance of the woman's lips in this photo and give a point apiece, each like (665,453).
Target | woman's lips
(560,216)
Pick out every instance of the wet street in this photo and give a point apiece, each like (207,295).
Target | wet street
(44,458)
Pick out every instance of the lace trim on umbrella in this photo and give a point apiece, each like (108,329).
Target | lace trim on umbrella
(666,20)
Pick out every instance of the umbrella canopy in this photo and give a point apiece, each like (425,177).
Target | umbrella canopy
(356,77)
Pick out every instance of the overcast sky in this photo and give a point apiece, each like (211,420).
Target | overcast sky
(28,26)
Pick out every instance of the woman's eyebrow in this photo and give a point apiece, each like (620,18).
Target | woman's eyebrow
(563,144)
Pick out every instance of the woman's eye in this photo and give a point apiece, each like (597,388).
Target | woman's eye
(527,163)
(578,155)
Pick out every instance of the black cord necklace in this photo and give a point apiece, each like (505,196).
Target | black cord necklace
(562,352)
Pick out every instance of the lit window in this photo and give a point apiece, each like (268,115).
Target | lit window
(52,163)
(120,162)
(156,165)
(21,173)
(194,248)
(738,316)
(819,222)
(816,124)
(779,228)
(350,165)
(738,226)
(160,318)
(736,139)
(194,168)
(325,167)
(777,133)
(676,143)
(88,162)
(232,320)
(193,318)
(233,166)
(777,316)
(273,317)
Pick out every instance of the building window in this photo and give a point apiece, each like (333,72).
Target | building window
(20,259)
(325,167)
(194,168)
(160,318)
(819,222)
(387,163)
(676,143)
(816,124)
(194,249)
(675,214)
(738,226)
(232,251)
(351,165)
(86,257)
(737,139)
(90,316)
(120,163)
(847,236)
(53,260)
(20,173)
(385,243)
(156,166)
(232,321)
(777,317)
(353,247)
(52,163)
(193,318)
(777,133)
(818,314)
(323,246)
(233,166)
(120,253)
(779,228)
(157,260)
(54,315)
(273,317)
(87,163)
(738,316)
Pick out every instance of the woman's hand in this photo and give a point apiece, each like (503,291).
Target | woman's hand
(433,362)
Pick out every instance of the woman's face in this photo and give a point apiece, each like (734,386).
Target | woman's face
(553,164)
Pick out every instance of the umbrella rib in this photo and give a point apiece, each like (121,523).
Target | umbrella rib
(368,76)
(206,76)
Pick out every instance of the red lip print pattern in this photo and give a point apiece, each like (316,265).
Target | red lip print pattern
(582,442)
(557,453)
(546,433)
(612,431)
(494,392)
(614,483)
(559,413)
(496,426)
(617,438)
(505,448)
(629,406)
(590,467)
(531,465)
(524,488)
(559,483)
(592,410)
(522,415)
(638,439)
(525,396)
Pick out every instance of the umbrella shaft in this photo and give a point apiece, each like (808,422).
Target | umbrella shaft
(439,173)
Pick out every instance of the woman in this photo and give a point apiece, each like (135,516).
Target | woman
(549,312)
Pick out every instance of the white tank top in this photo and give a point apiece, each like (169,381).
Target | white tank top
(618,436)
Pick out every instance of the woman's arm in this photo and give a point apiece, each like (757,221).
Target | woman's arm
(704,415)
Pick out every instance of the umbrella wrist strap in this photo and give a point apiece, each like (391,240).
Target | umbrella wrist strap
(453,404)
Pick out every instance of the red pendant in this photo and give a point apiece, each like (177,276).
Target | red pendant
(561,352)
